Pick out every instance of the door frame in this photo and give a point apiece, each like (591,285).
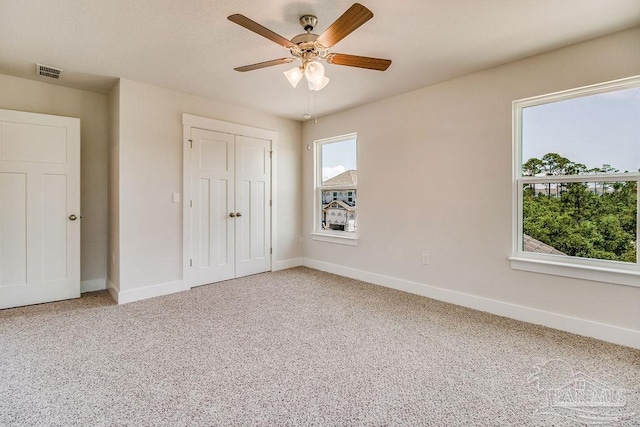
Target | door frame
(190,121)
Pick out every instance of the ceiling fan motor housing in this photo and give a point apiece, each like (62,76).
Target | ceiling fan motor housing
(304,38)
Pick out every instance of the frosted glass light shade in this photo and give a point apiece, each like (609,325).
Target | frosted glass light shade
(294,76)
(318,86)
(314,72)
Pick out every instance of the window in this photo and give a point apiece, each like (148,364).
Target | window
(336,190)
(576,175)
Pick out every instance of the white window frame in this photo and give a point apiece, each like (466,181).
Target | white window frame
(320,234)
(615,272)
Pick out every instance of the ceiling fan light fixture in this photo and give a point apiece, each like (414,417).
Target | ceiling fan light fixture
(294,76)
(317,86)
(314,72)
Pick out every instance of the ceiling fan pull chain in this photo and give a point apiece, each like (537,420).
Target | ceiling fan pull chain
(315,107)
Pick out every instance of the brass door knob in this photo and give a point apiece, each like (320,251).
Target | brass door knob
(73,217)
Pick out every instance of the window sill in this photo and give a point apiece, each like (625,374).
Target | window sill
(335,238)
(619,276)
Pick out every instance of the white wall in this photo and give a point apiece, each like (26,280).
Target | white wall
(91,108)
(150,170)
(449,147)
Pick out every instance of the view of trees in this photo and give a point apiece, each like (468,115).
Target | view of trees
(590,220)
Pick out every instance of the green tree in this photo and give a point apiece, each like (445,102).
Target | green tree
(532,167)
(580,222)
(554,164)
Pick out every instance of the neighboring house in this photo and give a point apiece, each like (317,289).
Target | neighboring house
(347,196)
(337,214)
(346,179)
(345,190)
(339,204)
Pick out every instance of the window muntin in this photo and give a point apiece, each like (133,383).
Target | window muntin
(336,186)
(576,172)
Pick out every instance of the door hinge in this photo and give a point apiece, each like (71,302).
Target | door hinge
(190,263)
(190,203)
(270,250)
(270,154)
(270,202)
(191,143)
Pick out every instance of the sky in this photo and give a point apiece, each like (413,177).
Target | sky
(338,157)
(593,130)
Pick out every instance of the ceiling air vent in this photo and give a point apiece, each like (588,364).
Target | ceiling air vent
(48,71)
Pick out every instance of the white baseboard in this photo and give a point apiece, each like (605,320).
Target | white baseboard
(93,285)
(288,263)
(131,295)
(588,328)
(113,290)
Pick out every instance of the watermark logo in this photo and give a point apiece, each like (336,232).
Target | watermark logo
(576,396)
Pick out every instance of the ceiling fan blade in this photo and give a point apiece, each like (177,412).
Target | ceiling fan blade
(358,61)
(354,17)
(264,64)
(259,29)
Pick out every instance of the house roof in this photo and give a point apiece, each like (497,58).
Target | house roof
(339,203)
(533,245)
(346,179)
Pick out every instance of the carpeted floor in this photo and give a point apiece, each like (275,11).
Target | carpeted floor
(295,347)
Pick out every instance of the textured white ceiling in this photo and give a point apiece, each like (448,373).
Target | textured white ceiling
(190,46)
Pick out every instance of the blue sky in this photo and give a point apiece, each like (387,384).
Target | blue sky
(338,157)
(592,130)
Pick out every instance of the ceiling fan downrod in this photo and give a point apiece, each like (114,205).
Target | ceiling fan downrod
(308,22)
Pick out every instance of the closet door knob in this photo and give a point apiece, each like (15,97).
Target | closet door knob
(232,215)
(73,217)
(238,214)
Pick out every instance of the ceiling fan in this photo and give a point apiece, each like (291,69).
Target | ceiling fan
(310,47)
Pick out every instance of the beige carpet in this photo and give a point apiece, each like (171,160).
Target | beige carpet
(296,347)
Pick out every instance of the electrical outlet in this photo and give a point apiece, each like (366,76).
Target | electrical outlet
(425,258)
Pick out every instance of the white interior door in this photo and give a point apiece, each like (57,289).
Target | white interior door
(39,208)
(213,180)
(230,213)
(253,195)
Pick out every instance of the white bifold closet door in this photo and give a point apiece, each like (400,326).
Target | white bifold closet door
(230,212)
(39,208)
